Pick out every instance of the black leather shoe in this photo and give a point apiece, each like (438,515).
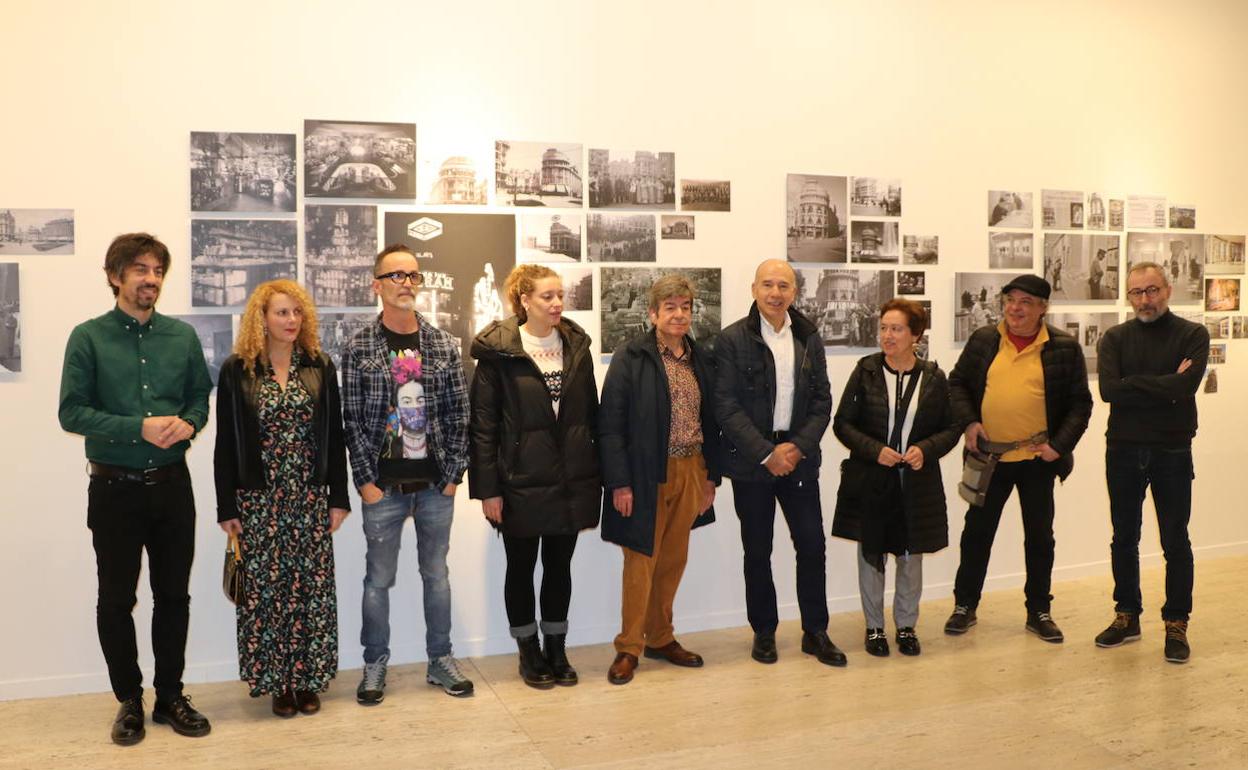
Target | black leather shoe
(556,654)
(877,642)
(182,717)
(764,650)
(819,645)
(534,669)
(908,641)
(128,725)
(1041,624)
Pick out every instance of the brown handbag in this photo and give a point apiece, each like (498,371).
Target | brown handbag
(232,576)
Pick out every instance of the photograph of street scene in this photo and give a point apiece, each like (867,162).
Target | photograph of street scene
(621,238)
(874,197)
(36,231)
(816,218)
(625,301)
(537,174)
(844,305)
(242,172)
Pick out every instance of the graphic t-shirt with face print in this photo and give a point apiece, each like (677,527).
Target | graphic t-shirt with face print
(406,455)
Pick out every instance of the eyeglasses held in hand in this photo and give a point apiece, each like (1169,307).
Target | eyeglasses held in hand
(1151,291)
(399,277)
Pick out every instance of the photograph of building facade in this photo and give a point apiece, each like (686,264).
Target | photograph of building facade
(625,301)
(1010,250)
(242,172)
(1180,257)
(36,231)
(1008,208)
(920,249)
(1096,212)
(1217,353)
(1224,254)
(1117,217)
(216,335)
(339,246)
(844,305)
(816,218)
(546,237)
(458,180)
(231,257)
(638,179)
(578,286)
(537,174)
(1081,267)
(621,238)
(874,242)
(343,159)
(676,227)
(871,196)
(705,195)
(1219,327)
(10,318)
(1061,209)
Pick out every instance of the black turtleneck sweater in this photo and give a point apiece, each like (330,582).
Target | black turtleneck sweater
(1150,403)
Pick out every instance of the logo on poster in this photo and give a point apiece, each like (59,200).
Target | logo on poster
(425,229)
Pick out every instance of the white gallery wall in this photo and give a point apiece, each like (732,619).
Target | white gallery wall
(954,98)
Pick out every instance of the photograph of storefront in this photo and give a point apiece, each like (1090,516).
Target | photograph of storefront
(549,237)
(638,179)
(343,159)
(537,174)
(621,238)
(340,245)
(1224,254)
(816,215)
(844,305)
(705,195)
(231,257)
(242,172)
(36,231)
(625,300)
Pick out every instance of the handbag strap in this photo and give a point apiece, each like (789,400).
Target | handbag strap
(902,407)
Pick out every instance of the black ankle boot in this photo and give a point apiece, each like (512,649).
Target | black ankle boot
(534,669)
(556,654)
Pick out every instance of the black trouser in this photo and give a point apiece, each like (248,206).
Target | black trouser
(755,502)
(1034,479)
(125,517)
(556,592)
(1129,472)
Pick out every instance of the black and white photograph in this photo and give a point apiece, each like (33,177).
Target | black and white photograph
(1221,295)
(550,237)
(1239,327)
(1224,255)
(347,159)
(1217,353)
(676,227)
(1010,208)
(454,172)
(920,249)
(977,301)
(632,179)
(624,304)
(621,238)
(243,172)
(874,242)
(1182,217)
(705,195)
(873,196)
(337,329)
(911,282)
(216,335)
(923,347)
(817,217)
(538,174)
(1117,214)
(1211,381)
(1097,217)
(1180,257)
(1087,328)
(1218,326)
(1061,209)
(844,305)
(1081,267)
(10,319)
(578,286)
(231,257)
(1146,212)
(1011,251)
(465,258)
(339,246)
(36,231)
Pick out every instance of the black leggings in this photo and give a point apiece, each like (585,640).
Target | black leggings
(556,577)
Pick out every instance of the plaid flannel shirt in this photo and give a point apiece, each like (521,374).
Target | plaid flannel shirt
(368,394)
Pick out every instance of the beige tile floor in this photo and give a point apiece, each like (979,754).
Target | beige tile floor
(995,698)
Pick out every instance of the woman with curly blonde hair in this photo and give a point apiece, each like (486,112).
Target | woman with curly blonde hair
(281,476)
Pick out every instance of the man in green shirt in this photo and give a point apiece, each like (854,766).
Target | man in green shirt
(135,384)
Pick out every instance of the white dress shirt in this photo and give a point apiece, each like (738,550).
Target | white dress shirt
(781,345)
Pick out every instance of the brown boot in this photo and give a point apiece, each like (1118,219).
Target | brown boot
(308,702)
(284,704)
(621,671)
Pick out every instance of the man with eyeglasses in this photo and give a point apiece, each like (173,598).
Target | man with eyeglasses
(1150,368)
(1021,389)
(405,409)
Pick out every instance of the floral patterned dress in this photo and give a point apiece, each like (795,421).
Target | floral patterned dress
(288,619)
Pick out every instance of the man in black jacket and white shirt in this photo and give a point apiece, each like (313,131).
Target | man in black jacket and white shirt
(1150,368)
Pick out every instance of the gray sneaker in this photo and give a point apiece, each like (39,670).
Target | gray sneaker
(445,673)
(372,689)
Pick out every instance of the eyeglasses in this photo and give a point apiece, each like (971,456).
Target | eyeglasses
(398,277)
(1151,291)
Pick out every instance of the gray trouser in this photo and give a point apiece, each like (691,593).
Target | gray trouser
(908,584)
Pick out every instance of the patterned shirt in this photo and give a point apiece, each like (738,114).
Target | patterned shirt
(682,383)
(547,353)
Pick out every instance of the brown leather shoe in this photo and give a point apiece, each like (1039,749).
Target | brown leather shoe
(621,671)
(673,653)
(308,702)
(284,704)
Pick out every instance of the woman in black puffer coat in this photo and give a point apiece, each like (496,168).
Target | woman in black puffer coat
(534,459)
(896,420)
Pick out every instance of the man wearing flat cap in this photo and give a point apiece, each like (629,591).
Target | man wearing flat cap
(1021,389)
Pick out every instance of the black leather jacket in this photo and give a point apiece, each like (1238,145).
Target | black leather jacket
(236,459)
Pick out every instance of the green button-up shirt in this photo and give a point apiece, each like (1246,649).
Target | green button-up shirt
(118,372)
